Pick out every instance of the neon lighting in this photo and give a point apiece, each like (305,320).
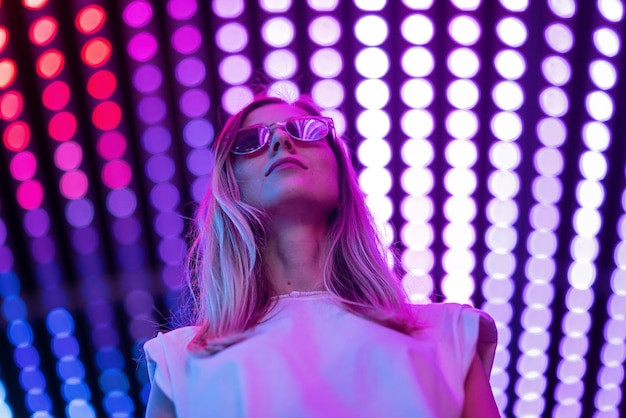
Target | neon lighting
(278,32)
(43,31)
(137,13)
(116,174)
(68,156)
(73,184)
(106,116)
(232,37)
(187,39)
(34,4)
(279,64)
(29,194)
(102,84)
(4,38)
(62,126)
(50,64)
(153,109)
(11,105)
(8,71)
(111,145)
(325,30)
(23,166)
(182,10)
(90,19)
(56,95)
(228,8)
(16,136)
(96,52)
(148,78)
(142,47)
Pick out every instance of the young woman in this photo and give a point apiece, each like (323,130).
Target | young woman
(297,313)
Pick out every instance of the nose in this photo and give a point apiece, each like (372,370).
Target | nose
(280,138)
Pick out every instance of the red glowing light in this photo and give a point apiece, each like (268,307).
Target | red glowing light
(90,19)
(16,136)
(4,37)
(111,145)
(43,30)
(34,4)
(50,64)
(56,95)
(62,126)
(11,105)
(96,52)
(30,194)
(107,116)
(8,72)
(101,85)
(116,174)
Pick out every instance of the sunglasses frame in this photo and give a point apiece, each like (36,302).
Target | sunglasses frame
(269,128)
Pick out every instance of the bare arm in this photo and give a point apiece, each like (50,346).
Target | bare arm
(479,400)
(159,405)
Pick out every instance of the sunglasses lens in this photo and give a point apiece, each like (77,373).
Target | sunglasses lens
(307,129)
(249,140)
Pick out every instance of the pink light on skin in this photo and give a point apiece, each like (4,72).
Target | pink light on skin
(62,126)
(74,184)
(11,105)
(111,145)
(56,95)
(23,166)
(107,116)
(68,156)
(30,194)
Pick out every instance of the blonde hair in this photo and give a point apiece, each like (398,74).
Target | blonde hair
(230,291)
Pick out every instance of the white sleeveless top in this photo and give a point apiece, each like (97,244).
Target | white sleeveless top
(312,358)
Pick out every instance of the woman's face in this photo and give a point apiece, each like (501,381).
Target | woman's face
(288,177)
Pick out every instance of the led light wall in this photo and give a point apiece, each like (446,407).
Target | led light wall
(488,136)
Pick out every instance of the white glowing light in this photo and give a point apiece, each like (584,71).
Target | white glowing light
(607,41)
(463,63)
(512,31)
(371,30)
(462,94)
(417,61)
(556,70)
(278,32)
(325,30)
(464,29)
(326,63)
(510,64)
(559,37)
(603,74)
(417,29)
(328,93)
(280,64)
(372,62)
(417,93)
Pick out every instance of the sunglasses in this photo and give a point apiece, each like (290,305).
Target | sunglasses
(304,128)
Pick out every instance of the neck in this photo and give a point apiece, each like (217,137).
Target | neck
(294,258)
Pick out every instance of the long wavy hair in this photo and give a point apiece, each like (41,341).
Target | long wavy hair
(230,291)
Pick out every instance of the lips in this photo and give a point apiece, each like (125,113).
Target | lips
(287,160)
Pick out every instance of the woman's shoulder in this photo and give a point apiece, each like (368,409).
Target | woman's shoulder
(464,327)
(436,313)
(170,342)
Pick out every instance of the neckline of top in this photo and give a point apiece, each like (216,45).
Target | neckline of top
(298,294)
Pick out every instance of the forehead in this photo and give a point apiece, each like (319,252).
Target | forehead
(271,113)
